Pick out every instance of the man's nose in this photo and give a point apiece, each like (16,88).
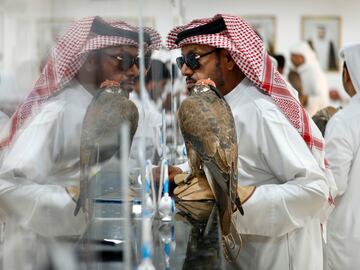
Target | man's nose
(186,71)
(133,70)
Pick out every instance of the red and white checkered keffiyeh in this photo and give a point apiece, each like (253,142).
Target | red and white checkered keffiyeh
(65,61)
(249,53)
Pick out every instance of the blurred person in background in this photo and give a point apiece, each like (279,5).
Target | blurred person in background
(313,80)
(337,99)
(342,151)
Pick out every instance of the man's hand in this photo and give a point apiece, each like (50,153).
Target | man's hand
(173,170)
(197,189)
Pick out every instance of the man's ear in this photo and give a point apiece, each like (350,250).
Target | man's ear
(229,61)
(346,75)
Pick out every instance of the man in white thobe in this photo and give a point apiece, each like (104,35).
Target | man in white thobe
(313,80)
(342,137)
(39,176)
(281,225)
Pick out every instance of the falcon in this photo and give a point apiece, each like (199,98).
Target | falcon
(208,128)
(100,134)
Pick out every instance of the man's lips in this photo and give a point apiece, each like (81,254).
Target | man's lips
(129,82)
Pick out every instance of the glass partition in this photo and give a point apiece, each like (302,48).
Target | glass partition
(64,204)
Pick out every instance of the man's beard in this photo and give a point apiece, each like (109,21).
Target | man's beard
(129,84)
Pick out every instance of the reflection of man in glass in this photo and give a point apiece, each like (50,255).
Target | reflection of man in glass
(324,48)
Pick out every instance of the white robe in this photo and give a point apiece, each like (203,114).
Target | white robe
(3,119)
(315,86)
(281,226)
(41,162)
(43,159)
(343,153)
(313,80)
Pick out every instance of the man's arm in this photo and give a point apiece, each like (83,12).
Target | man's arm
(302,192)
(25,192)
(339,152)
(45,209)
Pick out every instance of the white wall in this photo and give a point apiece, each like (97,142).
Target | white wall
(20,42)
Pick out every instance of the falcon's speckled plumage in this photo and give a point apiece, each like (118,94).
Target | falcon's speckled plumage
(109,109)
(208,128)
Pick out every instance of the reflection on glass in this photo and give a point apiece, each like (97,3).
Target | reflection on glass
(49,76)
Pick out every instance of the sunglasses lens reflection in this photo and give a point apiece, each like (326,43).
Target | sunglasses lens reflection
(127,61)
(180,61)
(190,60)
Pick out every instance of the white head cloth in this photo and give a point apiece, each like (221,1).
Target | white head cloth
(304,49)
(351,55)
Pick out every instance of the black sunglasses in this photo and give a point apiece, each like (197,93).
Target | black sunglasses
(192,59)
(126,61)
